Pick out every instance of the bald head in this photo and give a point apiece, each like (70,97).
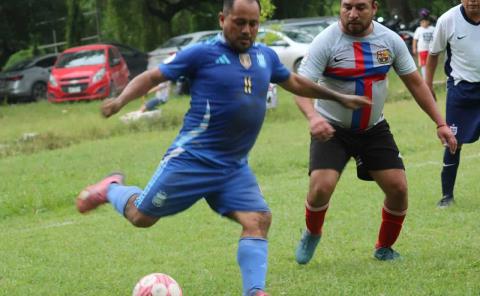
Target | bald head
(228,5)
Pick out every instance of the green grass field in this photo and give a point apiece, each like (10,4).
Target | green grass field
(47,248)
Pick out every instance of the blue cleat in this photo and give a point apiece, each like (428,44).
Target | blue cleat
(386,254)
(306,247)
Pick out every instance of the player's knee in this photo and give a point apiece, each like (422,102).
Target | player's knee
(321,190)
(259,224)
(140,220)
(399,190)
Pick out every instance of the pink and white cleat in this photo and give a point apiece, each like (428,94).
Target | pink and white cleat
(258,293)
(96,194)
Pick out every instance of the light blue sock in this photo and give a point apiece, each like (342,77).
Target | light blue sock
(252,258)
(118,195)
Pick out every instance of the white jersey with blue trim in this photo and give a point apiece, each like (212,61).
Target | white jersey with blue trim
(459,36)
(228,103)
(358,66)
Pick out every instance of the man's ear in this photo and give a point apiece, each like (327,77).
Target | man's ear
(221,19)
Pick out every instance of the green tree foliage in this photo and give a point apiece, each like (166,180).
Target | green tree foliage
(131,23)
(304,8)
(24,21)
(75,23)
(147,23)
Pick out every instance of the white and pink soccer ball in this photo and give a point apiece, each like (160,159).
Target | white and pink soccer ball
(157,284)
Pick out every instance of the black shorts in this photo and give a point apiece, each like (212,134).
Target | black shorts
(373,150)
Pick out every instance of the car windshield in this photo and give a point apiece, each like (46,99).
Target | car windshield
(299,36)
(177,42)
(312,29)
(81,58)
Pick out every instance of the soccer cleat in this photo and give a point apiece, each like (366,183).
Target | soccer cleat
(256,292)
(306,247)
(446,201)
(386,254)
(96,194)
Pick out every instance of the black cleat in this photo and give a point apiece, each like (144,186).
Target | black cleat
(446,201)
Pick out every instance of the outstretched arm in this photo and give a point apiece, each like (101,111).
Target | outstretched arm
(424,98)
(304,87)
(136,88)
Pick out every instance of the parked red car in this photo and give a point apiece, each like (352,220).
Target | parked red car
(87,72)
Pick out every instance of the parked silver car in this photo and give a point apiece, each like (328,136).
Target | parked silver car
(172,45)
(27,79)
(310,25)
(290,46)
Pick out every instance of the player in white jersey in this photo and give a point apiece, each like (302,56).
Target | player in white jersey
(353,56)
(421,42)
(458,32)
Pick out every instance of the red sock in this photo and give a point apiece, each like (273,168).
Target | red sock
(390,228)
(314,218)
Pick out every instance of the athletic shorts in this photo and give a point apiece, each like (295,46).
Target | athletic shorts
(373,150)
(422,58)
(463,110)
(180,182)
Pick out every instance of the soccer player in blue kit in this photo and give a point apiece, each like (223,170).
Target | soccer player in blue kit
(458,32)
(229,82)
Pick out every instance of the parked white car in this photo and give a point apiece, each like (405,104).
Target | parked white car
(309,25)
(172,45)
(290,46)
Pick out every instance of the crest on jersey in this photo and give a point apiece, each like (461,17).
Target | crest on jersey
(245,60)
(261,60)
(383,56)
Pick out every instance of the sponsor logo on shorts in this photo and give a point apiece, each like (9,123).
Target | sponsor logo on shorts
(454,129)
(159,199)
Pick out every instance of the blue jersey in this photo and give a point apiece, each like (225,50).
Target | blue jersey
(228,103)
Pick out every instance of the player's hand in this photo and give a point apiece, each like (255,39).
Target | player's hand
(320,129)
(110,107)
(448,139)
(355,102)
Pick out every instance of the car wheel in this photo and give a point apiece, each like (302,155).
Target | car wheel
(39,91)
(296,65)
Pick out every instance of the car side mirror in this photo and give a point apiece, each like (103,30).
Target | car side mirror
(115,61)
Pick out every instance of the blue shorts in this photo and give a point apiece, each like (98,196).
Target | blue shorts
(463,110)
(179,182)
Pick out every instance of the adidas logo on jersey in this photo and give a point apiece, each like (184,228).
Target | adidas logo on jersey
(222,60)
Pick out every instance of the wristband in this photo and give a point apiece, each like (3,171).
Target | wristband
(441,125)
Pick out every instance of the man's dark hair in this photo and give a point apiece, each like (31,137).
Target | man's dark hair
(371,1)
(228,5)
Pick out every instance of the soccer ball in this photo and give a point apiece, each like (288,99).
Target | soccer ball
(157,284)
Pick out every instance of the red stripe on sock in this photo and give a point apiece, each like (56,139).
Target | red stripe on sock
(389,229)
(314,220)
